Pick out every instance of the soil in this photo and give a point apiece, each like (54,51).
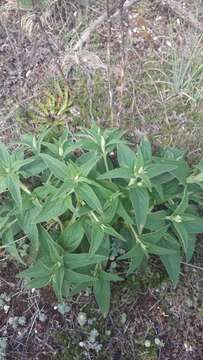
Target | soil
(151,307)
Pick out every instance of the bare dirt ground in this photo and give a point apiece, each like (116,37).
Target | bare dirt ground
(149,319)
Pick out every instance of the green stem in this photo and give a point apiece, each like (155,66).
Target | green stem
(105,161)
(137,239)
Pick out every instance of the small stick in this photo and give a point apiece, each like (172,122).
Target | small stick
(192,266)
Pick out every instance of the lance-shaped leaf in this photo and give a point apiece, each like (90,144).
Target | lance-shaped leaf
(10,245)
(71,236)
(118,173)
(97,236)
(13,185)
(57,281)
(156,220)
(182,234)
(57,167)
(49,246)
(136,256)
(194,225)
(155,236)
(75,261)
(183,204)
(25,222)
(109,230)
(102,290)
(38,283)
(158,250)
(52,209)
(140,201)
(4,154)
(87,194)
(191,246)
(171,261)
(146,150)
(41,267)
(110,277)
(34,167)
(110,209)
(126,157)
(123,213)
(3,185)
(74,277)
(157,169)
(89,163)
(102,293)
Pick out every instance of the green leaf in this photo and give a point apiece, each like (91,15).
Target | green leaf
(34,167)
(158,250)
(146,150)
(109,230)
(137,255)
(52,209)
(110,209)
(194,225)
(172,265)
(171,261)
(155,236)
(102,292)
(181,170)
(75,261)
(140,200)
(38,283)
(87,194)
(110,277)
(118,173)
(121,211)
(156,220)
(191,247)
(13,185)
(3,185)
(74,277)
(173,153)
(71,236)
(10,244)
(97,236)
(48,246)
(182,234)
(57,167)
(126,157)
(25,222)
(89,164)
(74,290)
(3,222)
(183,204)
(42,267)
(157,169)
(4,154)
(44,190)
(57,282)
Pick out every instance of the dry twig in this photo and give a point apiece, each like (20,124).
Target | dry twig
(99,21)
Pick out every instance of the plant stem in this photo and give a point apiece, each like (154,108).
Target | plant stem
(137,238)
(105,161)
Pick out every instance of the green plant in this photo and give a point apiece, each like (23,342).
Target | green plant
(183,76)
(51,108)
(73,200)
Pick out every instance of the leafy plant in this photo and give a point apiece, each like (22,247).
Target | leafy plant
(51,108)
(74,199)
(183,76)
